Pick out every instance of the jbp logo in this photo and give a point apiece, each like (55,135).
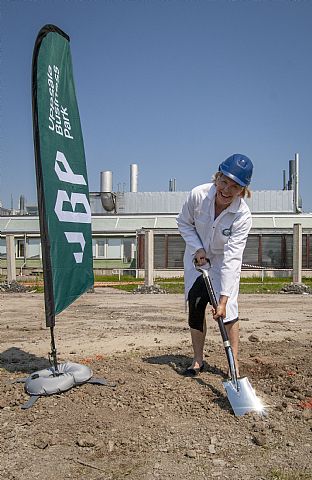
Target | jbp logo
(66,175)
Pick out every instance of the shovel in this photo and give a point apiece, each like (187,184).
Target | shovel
(241,395)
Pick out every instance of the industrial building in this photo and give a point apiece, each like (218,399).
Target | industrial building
(119,220)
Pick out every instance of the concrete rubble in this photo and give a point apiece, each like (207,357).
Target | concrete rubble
(296,288)
(13,287)
(151,289)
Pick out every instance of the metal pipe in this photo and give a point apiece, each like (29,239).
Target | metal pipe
(284,180)
(106,182)
(172,185)
(108,198)
(291,174)
(134,177)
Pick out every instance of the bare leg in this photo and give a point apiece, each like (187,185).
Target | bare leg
(233,334)
(198,342)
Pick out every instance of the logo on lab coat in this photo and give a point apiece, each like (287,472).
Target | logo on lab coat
(226,232)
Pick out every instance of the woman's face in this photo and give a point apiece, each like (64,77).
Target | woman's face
(227,191)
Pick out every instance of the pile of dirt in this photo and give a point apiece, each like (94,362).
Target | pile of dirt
(151,289)
(13,287)
(296,288)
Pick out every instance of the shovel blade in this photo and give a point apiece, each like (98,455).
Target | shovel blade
(242,397)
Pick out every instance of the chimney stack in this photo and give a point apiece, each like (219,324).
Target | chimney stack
(134,177)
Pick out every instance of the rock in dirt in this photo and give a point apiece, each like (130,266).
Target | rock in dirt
(41,442)
(212,449)
(111,445)
(296,288)
(13,287)
(151,289)
(191,454)
(86,441)
(218,462)
(253,338)
(307,414)
(260,439)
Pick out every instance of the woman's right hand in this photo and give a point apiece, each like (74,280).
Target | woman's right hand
(200,257)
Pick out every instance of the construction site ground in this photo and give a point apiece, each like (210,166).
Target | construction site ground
(154,423)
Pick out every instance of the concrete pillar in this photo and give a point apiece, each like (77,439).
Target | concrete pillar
(149,258)
(297,253)
(10,255)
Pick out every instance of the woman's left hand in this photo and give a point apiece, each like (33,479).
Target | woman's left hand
(219,312)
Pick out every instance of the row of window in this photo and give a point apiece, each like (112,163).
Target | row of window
(274,251)
(103,248)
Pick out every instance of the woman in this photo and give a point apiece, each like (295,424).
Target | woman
(214,223)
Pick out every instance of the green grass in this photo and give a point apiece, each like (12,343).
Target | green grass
(247,285)
(261,287)
(269,285)
(38,289)
(126,288)
(115,278)
(170,280)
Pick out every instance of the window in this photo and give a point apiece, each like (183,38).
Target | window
(33,248)
(2,247)
(20,246)
(272,251)
(250,256)
(176,247)
(127,250)
(168,251)
(113,248)
(108,248)
(288,262)
(101,248)
(159,251)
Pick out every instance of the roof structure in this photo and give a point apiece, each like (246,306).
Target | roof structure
(265,201)
(129,224)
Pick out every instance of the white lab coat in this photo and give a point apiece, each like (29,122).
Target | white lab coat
(223,239)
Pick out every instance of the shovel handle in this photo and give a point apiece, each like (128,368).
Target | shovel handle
(214,302)
(224,335)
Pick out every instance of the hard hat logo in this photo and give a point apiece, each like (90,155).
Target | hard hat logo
(239,168)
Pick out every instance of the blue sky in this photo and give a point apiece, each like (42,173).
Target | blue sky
(175,86)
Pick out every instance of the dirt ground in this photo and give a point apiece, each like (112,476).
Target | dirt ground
(155,423)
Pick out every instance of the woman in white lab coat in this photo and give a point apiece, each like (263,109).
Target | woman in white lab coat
(215,222)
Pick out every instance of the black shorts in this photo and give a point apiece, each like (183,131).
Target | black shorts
(198,299)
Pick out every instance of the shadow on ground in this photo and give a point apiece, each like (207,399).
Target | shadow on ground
(15,360)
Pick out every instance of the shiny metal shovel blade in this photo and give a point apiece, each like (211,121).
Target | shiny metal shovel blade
(242,397)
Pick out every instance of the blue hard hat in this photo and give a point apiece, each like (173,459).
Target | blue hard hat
(238,167)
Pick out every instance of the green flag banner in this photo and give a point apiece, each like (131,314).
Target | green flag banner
(62,184)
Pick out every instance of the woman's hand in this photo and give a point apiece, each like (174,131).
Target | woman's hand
(200,257)
(221,308)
